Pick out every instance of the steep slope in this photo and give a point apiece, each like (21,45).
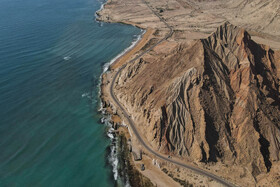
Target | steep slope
(210,100)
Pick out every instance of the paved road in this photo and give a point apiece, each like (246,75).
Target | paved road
(133,126)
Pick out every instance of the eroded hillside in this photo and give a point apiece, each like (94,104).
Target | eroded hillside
(210,100)
(210,93)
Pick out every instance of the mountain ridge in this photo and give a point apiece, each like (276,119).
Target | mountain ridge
(209,100)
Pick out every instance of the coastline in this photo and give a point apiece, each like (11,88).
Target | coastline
(124,170)
(159,173)
(119,95)
(125,52)
(154,176)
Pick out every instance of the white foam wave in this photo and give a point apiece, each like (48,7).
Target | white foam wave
(87,95)
(106,66)
(114,162)
(100,9)
(66,58)
(139,37)
(110,134)
(113,157)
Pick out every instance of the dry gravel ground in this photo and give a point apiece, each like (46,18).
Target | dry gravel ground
(193,19)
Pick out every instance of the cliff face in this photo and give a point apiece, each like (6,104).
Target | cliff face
(214,99)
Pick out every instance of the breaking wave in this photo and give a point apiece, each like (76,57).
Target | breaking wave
(138,38)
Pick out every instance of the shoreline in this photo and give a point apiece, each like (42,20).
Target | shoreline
(127,50)
(119,94)
(156,171)
(113,121)
(130,50)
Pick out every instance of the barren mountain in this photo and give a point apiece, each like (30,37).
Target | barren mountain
(210,100)
(213,101)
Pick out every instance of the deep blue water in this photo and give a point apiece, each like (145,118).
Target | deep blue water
(52,54)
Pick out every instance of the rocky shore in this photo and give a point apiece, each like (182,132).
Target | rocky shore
(127,173)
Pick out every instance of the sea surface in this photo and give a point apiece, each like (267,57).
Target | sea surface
(52,53)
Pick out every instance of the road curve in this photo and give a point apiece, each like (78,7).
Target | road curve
(132,124)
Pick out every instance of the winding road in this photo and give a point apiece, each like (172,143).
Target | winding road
(133,126)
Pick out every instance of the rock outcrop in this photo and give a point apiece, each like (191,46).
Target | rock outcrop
(210,100)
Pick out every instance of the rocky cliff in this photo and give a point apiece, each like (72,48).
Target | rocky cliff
(209,100)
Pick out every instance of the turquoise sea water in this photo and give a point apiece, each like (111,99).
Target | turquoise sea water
(52,54)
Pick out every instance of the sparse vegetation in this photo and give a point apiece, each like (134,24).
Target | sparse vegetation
(127,170)
(149,44)
(180,181)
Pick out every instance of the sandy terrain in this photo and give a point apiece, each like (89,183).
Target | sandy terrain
(197,19)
